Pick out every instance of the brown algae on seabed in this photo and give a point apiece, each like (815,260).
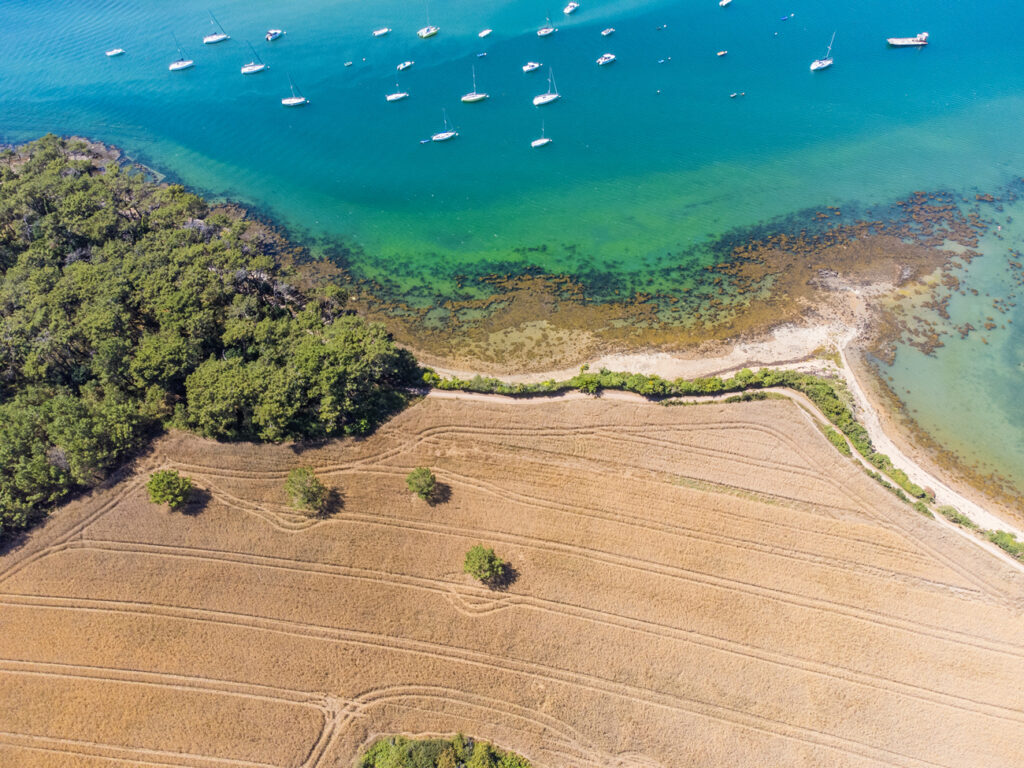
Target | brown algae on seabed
(534,322)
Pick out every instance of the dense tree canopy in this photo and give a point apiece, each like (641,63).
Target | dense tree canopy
(126,306)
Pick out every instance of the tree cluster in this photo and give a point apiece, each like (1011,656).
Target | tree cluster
(127,306)
(459,752)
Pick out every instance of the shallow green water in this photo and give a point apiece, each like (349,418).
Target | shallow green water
(649,162)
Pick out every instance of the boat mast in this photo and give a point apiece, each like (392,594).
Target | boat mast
(829,51)
(213,20)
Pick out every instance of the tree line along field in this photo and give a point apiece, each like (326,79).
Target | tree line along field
(707,586)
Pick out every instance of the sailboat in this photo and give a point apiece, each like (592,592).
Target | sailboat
(447,133)
(551,95)
(827,61)
(473,96)
(430,30)
(543,140)
(217,37)
(181,62)
(398,95)
(115,52)
(296,99)
(254,66)
(547,29)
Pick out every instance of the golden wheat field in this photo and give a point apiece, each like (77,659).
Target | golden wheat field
(708,586)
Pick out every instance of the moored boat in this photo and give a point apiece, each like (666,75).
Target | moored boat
(571,7)
(826,62)
(605,58)
(398,95)
(547,29)
(485,32)
(447,132)
(115,52)
(273,34)
(296,99)
(254,66)
(219,35)
(543,140)
(552,93)
(474,96)
(919,39)
(181,62)
(609,31)
(428,31)
(381,32)
(404,65)
(532,66)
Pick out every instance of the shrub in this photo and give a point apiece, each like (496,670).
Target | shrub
(921,507)
(1008,542)
(838,441)
(305,490)
(422,482)
(166,486)
(482,564)
(955,516)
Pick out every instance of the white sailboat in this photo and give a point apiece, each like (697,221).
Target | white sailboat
(447,132)
(398,95)
(547,29)
(296,99)
(430,30)
(474,96)
(181,62)
(543,140)
(115,52)
(551,95)
(254,66)
(827,60)
(219,36)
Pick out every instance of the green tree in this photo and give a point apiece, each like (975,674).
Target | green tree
(482,564)
(166,486)
(483,756)
(422,482)
(306,491)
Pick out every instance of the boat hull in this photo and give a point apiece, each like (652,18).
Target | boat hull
(428,32)
(545,31)
(220,37)
(381,32)
(545,98)
(540,142)
(274,34)
(821,64)
(294,101)
(473,98)
(115,52)
(177,66)
(444,136)
(252,69)
(396,96)
(532,66)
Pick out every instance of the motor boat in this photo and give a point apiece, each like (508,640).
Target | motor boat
(485,32)
(404,65)
(273,34)
(381,32)
(605,58)
(609,31)
(531,66)
(570,8)
(902,42)
(115,52)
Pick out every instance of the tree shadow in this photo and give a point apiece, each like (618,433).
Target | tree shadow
(196,502)
(507,579)
(441,494)
(333,504)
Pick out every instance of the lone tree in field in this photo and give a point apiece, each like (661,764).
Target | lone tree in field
(166,486)
(306,491)
(422,482)
(482,564)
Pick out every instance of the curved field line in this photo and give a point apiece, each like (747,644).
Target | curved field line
(190,683)
(153,757)
(598,685)
(558,608)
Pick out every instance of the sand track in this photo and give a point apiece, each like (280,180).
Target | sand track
(708,586)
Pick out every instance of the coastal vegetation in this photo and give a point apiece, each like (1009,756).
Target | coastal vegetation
(166,486)
(458,752)
(127,307)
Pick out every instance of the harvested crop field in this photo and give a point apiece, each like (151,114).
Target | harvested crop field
(708,586)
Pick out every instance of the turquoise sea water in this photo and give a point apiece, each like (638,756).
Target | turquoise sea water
(649,159)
